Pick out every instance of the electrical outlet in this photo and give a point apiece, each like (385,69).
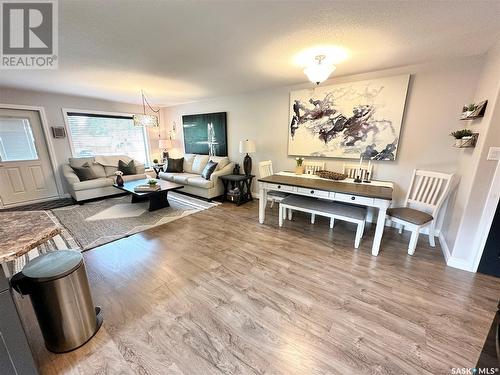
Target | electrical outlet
(494,153)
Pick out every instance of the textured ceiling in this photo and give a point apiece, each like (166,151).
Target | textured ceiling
(184,51)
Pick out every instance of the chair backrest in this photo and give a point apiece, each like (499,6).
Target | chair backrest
(352,171)
(265,168)
(428,190)
(311,167)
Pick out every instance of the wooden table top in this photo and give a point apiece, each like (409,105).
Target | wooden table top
(22,231)
(362,189)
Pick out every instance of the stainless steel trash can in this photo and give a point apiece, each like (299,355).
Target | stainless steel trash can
(58,287)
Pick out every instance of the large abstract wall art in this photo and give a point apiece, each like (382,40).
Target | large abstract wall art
(348,120)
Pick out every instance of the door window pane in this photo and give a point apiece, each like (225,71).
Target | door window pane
(16,140)
(107,135)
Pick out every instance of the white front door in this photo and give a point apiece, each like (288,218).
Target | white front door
(25,171)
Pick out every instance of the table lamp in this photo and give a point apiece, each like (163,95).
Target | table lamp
(164,145)
(247,147)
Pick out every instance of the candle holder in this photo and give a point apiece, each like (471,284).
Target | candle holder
(367,180)
(357,180)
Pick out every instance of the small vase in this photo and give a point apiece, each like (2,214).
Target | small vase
(458,142)
(299,169)
(119,180)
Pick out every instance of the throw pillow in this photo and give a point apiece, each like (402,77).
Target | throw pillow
(85,172)
(175,165)
(208,170)
(127,168)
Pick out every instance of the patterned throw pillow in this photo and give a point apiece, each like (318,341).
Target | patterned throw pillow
(127,168)
(85,172)
(208,170)
(175,165)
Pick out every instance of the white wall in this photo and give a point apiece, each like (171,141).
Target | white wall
(436,95)
(477,172)
(53,104)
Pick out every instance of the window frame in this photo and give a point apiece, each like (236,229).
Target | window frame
(93,113)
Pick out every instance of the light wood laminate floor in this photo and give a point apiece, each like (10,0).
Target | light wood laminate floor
(216,292)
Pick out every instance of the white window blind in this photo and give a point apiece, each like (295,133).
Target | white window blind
(94,134)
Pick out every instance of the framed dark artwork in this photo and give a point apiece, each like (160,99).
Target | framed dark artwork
(348,120)
(205,134)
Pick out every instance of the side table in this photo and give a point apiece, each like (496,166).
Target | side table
(237,188)
(158,168)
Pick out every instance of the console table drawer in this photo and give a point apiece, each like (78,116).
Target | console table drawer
(313,192)
(286,188)
(356,199)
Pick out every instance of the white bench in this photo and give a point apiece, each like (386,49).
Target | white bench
(333,210)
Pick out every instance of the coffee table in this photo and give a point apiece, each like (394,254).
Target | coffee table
(157,199)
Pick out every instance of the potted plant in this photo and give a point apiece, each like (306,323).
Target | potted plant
(299,169)
(152,182)
(461,136)
(119,178)
(155,161)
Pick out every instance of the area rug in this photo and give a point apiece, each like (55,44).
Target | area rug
(96,223)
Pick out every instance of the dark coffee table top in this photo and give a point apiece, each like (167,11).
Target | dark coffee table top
(165,186)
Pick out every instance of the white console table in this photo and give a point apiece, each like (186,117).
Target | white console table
(377,194)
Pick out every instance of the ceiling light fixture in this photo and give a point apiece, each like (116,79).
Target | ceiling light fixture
(320,70)
(145,119)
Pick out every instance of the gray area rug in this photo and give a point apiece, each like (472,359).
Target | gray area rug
(96,223)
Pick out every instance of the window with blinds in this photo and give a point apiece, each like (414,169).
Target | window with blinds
(96,134)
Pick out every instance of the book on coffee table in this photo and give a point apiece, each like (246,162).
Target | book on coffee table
(146,188)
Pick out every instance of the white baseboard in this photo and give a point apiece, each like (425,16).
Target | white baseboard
(444,247)
(451,261)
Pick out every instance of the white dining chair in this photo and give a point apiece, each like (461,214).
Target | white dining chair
(266,169)
(352,171)
(311,167)
(428,190)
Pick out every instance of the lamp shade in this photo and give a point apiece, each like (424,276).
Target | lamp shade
(318,73)
(247,147)
(164,144)
(146,120)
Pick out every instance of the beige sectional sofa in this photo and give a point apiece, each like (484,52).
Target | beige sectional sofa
(104,168)
(191,177)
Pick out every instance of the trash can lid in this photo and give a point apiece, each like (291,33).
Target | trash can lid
(53,265)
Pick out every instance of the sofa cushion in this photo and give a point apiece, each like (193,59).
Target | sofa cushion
(127,168)
(93,184)
(221,161)
(84,172)
(208,170)
(132,177)
(175,165)
(199,181)
(188,163)
(110,163)
(199,163)
(182,178)
(96,168)
(168,176)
